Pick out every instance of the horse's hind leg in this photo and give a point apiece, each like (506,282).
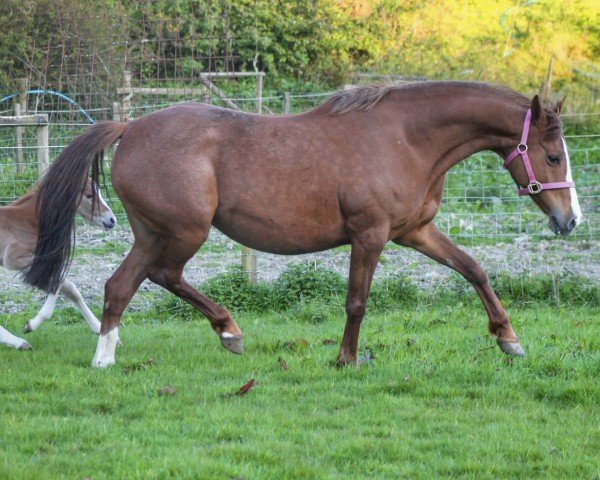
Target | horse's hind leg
(167,273)
(366,249)
(7,338)
(433,243)
(118,291)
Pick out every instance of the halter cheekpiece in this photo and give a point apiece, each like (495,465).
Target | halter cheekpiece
(534,186)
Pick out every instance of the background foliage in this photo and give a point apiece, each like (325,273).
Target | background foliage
(308,43)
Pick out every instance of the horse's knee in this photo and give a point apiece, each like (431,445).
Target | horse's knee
(115,300)
(355,309)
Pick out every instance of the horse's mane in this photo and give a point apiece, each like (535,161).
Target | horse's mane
(365,97)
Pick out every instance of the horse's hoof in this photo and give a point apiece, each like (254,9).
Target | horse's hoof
(511,348)
(25,346)
(103,362)
(233,343)
(27,328)
(342,362)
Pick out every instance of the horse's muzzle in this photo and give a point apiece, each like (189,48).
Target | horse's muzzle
(560,226)
(109,221)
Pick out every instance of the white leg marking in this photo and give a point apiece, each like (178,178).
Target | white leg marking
(227,335)
(44,314)
(105,352)
(70,290)
(7,338)
(574,200)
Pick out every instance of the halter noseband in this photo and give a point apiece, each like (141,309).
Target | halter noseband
(534,186)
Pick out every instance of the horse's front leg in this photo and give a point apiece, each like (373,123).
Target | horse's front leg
(7,338)
(433,243)
(44,314)
(366,249)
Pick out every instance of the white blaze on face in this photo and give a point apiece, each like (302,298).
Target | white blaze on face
(574,200)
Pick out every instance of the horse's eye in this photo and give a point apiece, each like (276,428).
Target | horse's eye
(88,195)
(553,160)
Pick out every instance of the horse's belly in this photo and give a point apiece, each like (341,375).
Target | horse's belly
(282,236)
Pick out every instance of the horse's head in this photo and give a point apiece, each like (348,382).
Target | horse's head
(102,214)
(540,166)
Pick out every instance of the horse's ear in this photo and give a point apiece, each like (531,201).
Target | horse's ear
(559,105)
(538,114)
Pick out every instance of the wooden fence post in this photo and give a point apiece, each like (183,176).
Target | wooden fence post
(21,109)
(249,262)
(43,148)
(19,141)
(547,85)
(116,112)
(126,102)
(287,103)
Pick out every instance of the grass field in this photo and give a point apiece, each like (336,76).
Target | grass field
(439,400)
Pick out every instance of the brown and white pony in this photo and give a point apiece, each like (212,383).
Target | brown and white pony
(366,167)
(18,238)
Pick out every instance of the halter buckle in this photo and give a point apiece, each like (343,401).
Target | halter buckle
(522,148)
(534,187)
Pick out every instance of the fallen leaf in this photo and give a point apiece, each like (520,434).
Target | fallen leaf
(134,367)
(166,391)
(295,345)
(246,388)
(328,341)
(282,363)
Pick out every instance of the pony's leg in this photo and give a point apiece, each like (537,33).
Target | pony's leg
(72,293)
(170,277)
(366,250)
(118,291)
(433,243)
(44,314)
(7,338)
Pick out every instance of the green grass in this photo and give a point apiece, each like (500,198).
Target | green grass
(438,401)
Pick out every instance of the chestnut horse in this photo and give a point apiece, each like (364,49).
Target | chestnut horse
(365,167)
(18,238)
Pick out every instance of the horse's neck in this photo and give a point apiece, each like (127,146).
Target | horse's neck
(467,123)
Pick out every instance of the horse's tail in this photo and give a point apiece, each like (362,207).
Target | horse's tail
(59,196)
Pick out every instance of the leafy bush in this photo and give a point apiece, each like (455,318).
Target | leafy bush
(558,289)
(232,290)
(315,294)
(393,292)
(303,281)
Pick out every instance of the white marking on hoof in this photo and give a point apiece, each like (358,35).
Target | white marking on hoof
(511,348)
(227,335)
(7,338)
(105,351)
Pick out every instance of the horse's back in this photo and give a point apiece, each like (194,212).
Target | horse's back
(259,179)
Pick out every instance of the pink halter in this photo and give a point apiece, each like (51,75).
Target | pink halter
(534,186)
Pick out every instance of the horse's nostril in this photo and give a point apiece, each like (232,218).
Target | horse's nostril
(572,224)
(113,220)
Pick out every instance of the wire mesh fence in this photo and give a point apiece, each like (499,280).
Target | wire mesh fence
(480,210)
(128,69)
